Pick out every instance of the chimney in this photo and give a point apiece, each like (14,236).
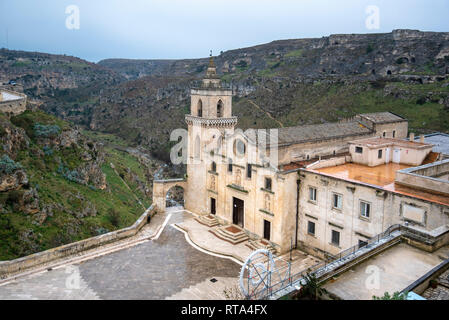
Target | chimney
(421,139)
(412,136)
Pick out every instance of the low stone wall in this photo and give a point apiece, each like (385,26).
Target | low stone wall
(12,106)
(426,177)
(21,264)
(420,285)
(329,163)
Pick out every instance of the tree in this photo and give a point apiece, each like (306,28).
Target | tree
(312,287)
(396,296)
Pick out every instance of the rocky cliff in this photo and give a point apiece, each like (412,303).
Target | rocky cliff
(58,185)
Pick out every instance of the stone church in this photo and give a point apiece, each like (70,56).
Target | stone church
(234,187)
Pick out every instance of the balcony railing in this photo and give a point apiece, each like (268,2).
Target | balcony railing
(199,85)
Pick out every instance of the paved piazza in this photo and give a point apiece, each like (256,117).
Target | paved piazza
(164,268)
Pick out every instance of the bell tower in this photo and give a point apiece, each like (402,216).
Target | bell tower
(210,119)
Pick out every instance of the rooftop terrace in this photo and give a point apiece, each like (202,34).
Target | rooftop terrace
(398,267)
(382,177)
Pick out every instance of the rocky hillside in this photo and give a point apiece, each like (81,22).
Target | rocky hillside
(59,185)
(363,55)
(42,76)
(283,83)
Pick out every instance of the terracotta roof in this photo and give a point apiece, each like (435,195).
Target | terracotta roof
(382,176)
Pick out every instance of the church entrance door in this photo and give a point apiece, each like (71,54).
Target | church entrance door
(238,212)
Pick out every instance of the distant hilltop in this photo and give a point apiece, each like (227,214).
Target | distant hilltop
(370,55)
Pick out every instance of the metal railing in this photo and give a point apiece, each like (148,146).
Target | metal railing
(290,279)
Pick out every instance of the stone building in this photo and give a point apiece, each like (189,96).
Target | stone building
(234,185)
(12,103)
(346,203)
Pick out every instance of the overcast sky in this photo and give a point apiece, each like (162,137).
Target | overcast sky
(167,29)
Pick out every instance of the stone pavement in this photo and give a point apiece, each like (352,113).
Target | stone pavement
(199,234)
(173,257)
(441,292)
(156,269)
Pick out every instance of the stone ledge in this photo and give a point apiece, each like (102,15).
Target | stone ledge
(233,186)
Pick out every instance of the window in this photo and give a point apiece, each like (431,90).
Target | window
(335,238)
(249,172)
(362,243)
(337,201)
(358,149)
(312,194)
(230,165)
(394,134)
(220,109)
(214,167)
(379,154)
(365,209)
(268,183)
(200,108)
(384,134)
(239,148)
(311,228)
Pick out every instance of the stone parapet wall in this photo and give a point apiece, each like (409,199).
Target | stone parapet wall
(12,106)
(427,177)
(24,263)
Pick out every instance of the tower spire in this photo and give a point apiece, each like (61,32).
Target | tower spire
(211,72)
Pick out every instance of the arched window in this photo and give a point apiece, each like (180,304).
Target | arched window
(200,108)
(197,147)
(220,109)
(214,167)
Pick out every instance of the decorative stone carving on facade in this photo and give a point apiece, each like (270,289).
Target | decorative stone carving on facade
(268,203)
(221,122)
(212,182)
(238,177)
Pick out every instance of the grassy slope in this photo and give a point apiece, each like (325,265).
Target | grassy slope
(307,103)
(64,227)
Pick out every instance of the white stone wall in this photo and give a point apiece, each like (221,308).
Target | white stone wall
(386,209)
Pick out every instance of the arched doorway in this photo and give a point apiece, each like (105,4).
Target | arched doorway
(174,197)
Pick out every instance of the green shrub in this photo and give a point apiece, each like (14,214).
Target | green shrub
(2,132)
(46,131)
(114,217)
(395,296)
(14,196)
(7,165)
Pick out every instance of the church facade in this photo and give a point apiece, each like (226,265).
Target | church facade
(256,180)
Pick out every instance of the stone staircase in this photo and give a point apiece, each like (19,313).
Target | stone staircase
(206,290)
(230,233)
(261,244)
(208,220)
